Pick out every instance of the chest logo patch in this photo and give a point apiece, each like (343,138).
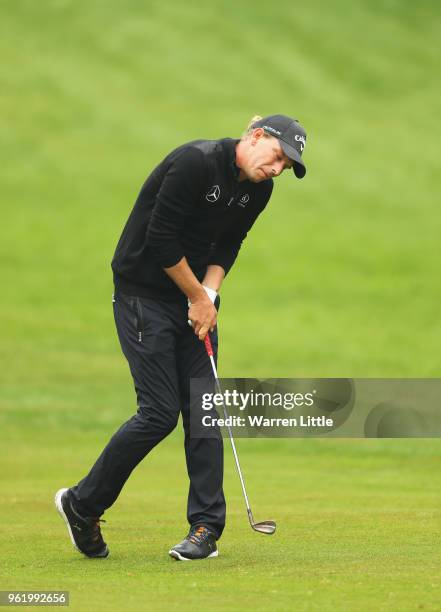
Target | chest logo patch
(213,194)
(243,200)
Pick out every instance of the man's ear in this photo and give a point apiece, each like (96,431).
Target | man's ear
(256,135)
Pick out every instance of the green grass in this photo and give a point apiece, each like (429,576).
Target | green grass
(338,278)
(358,527)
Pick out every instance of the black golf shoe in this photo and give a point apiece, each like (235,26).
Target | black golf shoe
(84,532)
(199,544)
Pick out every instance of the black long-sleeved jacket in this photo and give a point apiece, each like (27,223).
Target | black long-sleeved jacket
(191,205)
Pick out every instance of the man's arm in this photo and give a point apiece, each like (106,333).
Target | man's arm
(180,189)
(214,276)
(202,312)
(228,244)
(174,203)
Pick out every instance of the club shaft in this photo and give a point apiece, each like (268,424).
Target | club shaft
(233,445)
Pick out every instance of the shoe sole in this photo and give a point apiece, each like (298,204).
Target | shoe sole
(59,506)
(176,555)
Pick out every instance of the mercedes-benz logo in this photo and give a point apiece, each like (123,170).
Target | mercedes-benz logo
(213,194)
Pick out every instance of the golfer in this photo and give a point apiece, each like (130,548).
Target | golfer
(180,241)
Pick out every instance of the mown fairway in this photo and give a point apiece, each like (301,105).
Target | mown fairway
(340,277)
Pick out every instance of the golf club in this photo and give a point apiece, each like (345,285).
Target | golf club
(267,527)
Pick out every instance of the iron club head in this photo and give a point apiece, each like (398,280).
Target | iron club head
(267,527)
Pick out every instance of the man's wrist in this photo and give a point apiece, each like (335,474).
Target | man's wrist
(197,294)
(212,294)
(203,294)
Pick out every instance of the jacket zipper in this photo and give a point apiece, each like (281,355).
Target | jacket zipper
(234,195)
(139,320)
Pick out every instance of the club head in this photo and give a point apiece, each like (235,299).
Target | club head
(267,527)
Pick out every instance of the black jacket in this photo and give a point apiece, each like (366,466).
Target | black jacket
(191,205)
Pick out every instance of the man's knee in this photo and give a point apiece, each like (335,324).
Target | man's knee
(160,420)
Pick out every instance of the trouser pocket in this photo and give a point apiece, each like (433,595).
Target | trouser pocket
(134,312)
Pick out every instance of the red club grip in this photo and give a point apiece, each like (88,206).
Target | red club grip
(208,346)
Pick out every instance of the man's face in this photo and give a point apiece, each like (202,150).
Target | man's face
(264,158)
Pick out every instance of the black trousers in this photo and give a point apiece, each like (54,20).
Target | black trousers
(163,354)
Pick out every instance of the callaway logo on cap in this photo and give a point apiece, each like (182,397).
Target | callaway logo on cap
(292,138)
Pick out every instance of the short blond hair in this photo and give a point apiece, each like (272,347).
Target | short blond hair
(252,122)
(250,126)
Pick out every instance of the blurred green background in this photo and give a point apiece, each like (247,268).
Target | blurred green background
(339,277)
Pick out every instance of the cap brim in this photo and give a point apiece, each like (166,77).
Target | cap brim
(298,167)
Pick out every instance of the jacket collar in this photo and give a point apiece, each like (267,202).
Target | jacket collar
(229,145)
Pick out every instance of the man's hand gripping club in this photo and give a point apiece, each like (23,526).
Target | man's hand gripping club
(202,314)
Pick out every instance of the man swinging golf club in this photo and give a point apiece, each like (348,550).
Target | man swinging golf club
(181,239)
